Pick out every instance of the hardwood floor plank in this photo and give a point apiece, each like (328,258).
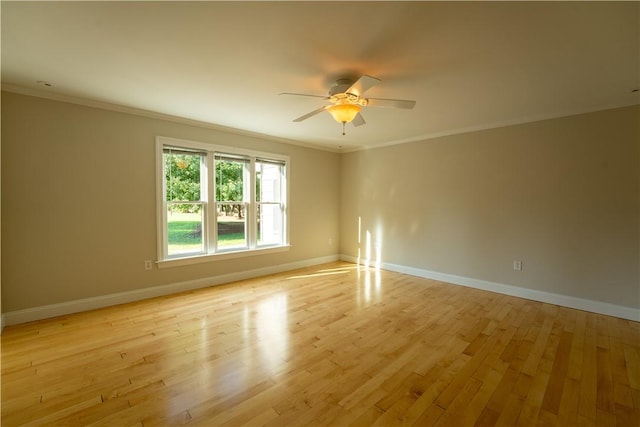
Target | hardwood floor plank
(535,353)
(588,380)
(454,414)
(508,416)
(553,393)
(605,399)
(632,359)
(401,390)
(330,345)
(577,345)
(379,378)
(627,416)
(430,386)
(568,409)
(429,417)
(534,395)
(476,405)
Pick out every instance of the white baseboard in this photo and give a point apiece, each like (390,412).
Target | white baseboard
(599,307)
(61,309)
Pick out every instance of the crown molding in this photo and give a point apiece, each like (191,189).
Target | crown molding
(500,124)
(21,90)
(181,120)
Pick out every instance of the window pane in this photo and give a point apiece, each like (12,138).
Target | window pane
(232,226)
(270,224)
(230,179)
(182,176)
(268,182)
(184,228)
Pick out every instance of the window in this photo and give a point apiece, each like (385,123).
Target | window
(218,201)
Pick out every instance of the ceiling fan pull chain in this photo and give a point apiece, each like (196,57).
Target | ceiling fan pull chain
(343,123)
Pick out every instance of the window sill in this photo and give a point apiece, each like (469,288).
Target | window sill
(199,259)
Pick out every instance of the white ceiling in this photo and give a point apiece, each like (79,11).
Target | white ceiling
(468,65)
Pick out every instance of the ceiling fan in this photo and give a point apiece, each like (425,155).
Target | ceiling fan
(346,101)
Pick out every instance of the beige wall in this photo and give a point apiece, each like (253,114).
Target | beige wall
(563,196)
(560,195)
(78,202)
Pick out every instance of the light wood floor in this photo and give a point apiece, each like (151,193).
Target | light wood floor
(329,345)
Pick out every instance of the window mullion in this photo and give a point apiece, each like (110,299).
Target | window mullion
(212,212)
(165,231)
(251,207)
(284,199)
(161,193)
(248,198)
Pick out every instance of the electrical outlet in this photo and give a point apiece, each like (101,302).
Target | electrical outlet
(517,265)
(148,264)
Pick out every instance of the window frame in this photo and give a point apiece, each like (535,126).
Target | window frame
(209,229)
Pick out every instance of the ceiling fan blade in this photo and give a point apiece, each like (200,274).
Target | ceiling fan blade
(391,103)
(311,114)
(304,94)
(363,84)
(358,120)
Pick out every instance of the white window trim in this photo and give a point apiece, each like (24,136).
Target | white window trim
(163,261)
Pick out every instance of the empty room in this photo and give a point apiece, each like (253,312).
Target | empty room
(320,213)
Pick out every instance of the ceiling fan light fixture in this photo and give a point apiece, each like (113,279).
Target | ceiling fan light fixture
(344,113)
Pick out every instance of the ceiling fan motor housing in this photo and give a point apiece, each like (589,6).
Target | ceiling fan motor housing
(338,94)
